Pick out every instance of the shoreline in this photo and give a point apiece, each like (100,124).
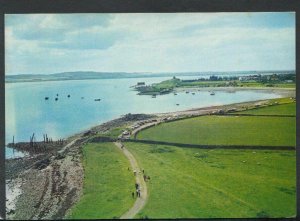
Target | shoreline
(229,89)
(281,91)
(66,162)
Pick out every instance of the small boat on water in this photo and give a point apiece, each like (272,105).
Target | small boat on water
(212,93)
(97,99)
(82,97)
(56,99)
(46,98)
(69,95)
(153,96)
(175,93)
(193,93)
(187,92)
(177,104)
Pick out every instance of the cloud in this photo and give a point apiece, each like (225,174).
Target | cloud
(64,30)
(149,42)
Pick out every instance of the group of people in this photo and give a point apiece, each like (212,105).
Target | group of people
(137,190)
(146,178)
(137,186)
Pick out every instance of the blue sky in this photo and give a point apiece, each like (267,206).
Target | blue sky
(174,42)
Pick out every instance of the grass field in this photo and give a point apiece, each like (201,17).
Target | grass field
(282,109)
(197,183)
(226,130)
(107,183)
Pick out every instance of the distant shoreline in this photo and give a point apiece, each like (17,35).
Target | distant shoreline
(91,75)
(281,91)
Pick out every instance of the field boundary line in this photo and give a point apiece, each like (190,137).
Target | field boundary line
(140,201)
(256,115)
(204,146)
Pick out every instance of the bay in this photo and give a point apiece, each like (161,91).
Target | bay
(27,111)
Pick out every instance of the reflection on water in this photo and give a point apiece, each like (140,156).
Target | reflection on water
(11,153)
(28,112)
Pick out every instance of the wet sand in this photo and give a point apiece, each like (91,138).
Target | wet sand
(285,92)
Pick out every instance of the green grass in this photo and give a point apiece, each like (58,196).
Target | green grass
(282,109)
(107,183)
(169,85)
(226,130)
(198,183)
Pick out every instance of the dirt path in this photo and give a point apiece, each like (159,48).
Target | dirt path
(67,146)
(140,201)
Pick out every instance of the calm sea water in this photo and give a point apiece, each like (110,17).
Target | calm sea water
(28,112)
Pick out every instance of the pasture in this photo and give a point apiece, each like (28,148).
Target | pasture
(226,130)
(281,109)
(198,183)
(107,183)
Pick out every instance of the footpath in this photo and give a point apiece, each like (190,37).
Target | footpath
(140,201)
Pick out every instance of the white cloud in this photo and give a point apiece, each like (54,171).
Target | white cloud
(149,42)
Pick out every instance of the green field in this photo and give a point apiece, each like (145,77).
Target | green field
(198,183)
(226,130)
(107,183)
(282,109)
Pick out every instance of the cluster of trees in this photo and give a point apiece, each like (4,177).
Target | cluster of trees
(277,78)
(272,78)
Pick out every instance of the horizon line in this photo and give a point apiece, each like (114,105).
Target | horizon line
(147,72)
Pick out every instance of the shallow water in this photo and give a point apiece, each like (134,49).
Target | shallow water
(28,112)
(11,153)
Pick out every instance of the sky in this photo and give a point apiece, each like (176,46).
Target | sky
(149,42)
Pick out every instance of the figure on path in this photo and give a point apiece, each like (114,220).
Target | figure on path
(139,193)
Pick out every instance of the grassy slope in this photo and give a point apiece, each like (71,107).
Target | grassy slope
(195,183)
(107,184)
(226,130)
(283,109)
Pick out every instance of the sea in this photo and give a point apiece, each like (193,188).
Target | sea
(27,111)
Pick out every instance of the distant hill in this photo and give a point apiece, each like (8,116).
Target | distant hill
(85,75)
(80,75)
